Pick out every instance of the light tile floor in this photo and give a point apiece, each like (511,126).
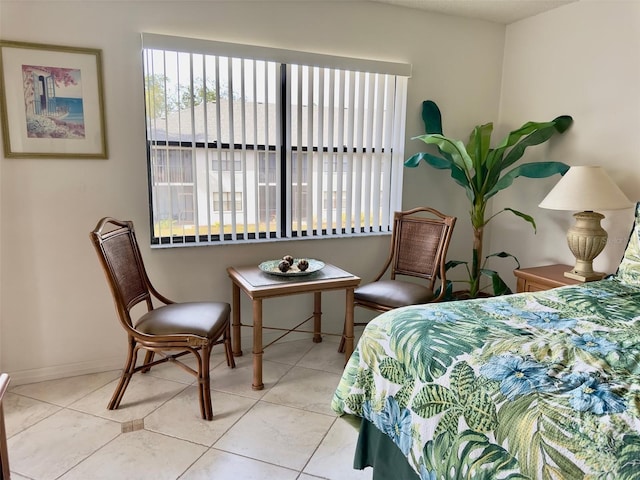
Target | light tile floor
(61,429)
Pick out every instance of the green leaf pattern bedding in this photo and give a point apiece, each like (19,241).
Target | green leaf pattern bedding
(542,385)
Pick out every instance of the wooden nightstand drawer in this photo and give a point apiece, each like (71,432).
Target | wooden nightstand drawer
(536,279)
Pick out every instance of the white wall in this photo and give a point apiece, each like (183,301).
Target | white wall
(582,59)
(56,315)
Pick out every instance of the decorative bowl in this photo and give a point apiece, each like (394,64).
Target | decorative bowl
(271,266)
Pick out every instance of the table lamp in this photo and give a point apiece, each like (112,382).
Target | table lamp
(586,189)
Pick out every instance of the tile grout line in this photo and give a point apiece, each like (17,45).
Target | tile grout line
(129,426)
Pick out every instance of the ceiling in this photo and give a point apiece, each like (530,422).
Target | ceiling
(498,11)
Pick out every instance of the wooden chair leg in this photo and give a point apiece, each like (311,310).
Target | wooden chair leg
(148,358)
(127,372)
(227,348)
(204,384)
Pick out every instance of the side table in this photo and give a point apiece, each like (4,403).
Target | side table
(535,279)
(258,285)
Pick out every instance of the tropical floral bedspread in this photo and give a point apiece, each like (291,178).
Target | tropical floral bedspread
(542,385)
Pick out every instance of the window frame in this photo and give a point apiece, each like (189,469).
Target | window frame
(285,152)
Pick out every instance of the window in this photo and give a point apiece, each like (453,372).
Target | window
(227,204)
(255,144)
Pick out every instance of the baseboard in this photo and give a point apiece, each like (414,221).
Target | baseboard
(21,377)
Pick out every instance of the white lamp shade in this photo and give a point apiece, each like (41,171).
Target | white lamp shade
(586,188)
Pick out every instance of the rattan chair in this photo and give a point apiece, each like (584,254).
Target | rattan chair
(5,474)
(419,243)
(170,329)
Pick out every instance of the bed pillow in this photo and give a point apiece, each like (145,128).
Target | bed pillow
(629,268)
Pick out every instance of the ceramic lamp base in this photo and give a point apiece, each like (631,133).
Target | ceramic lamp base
(576,275)
(586,239)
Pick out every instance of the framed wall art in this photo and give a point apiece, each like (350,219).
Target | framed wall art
(51,101)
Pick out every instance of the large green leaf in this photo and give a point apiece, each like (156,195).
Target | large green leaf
(433,399)
(470,457)
(431,346)
(498,285)
(512,139)
(524,216)
(365,381)
(354,403)
(349,376)
(440,163)
(431,117)
(433,160)
(520,426)
(448,425)
(370,348)
(404,394)
(536,133)
(455,148)
(629,458)
(494,158)
(540,135)
(462,379)
(392,370)
(564,465)
(464,398)
(563,122)
(529,170)
(460,162)
(478,147)
(480,412)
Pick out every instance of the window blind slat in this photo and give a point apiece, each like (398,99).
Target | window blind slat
(351,226)
(219,153)
(298,198)
(286,136)
(311,157)
(322,157)
(378,174)
(243,158)
(397,161)
(207,159)
(360,145)
(270,169)
(188,201)
(341,157)
(331,156)
(232,160)
(387,147)
(256,159)
(368,164)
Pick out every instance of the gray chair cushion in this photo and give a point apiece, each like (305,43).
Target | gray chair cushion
(393,293)
(206,319)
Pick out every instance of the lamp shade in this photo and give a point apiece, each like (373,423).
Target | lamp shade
(586,188)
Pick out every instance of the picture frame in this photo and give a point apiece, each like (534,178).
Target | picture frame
(51,101)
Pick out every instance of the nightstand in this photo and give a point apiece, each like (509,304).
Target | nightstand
(536,279)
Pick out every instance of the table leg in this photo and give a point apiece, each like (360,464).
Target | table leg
(257,345)
(317,317)
(348,326)
(236,340)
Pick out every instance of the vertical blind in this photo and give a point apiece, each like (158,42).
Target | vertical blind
(250,143)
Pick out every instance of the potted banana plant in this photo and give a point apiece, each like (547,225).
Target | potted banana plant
(483,171)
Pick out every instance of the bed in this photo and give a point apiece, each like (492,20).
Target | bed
(542,385)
